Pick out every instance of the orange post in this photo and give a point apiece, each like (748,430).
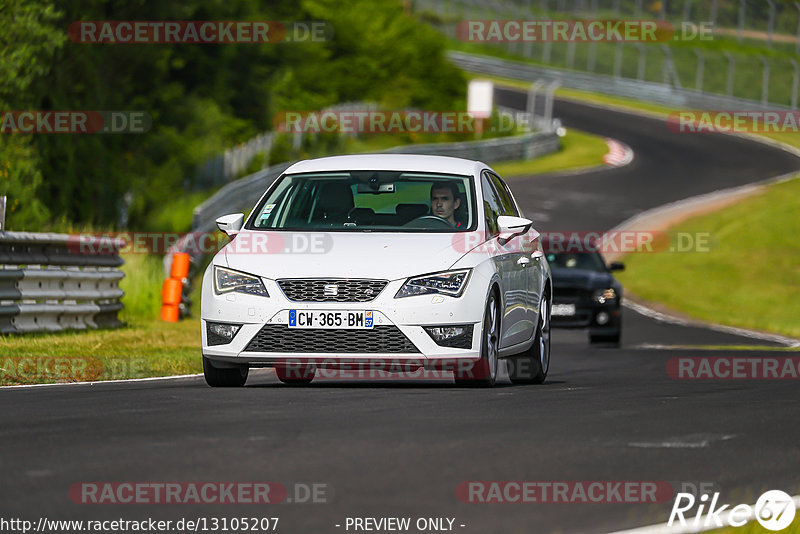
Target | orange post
(180,266)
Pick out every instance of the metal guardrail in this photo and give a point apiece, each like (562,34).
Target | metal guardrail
(660,93)
(53,282)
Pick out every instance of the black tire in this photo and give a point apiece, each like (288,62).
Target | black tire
(483,373)
(295,377)
(532,366)
(606,339)
(224,377)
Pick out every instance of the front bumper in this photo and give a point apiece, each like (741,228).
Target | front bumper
(586,316)
(397,338)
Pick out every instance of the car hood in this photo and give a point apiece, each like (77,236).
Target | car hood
(388,256)
(583,279)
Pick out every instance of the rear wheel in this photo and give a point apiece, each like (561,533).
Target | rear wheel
(531,366)
(295,376)
(224,377)
(483,373)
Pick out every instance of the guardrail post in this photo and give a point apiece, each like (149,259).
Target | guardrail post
(548,104)
(3,214)
(731,72)
(797,38)
(618,59)
(687,9)
(795,82)
(669,68)
(713,16)
(740,32)
(530,108)
(700,68)
(570,54)
(640,69)
(764,81)
(546,52)
(771,23)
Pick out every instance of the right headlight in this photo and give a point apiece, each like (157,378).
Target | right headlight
(601,296)
(451,283)
(228,280)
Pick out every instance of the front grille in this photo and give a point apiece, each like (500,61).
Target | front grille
(570,294)
(305,290)
(281,338)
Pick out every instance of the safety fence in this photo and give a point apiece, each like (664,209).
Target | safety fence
(53,282)
(765,71)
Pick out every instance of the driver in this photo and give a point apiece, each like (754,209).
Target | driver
(445,201)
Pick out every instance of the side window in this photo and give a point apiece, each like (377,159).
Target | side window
(492,207)
(506,200)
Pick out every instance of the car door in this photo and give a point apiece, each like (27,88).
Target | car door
(529,256)
(514,327)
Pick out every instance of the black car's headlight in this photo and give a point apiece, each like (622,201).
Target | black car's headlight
(451,283)
(227,281)
(602,296)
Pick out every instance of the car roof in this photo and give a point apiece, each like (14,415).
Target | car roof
(389,162)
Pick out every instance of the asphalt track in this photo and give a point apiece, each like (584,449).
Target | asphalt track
(402,448)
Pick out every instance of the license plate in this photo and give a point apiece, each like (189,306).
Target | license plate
(330,319)
(563,309)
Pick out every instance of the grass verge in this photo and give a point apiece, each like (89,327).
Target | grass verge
(579,150)
(748,278)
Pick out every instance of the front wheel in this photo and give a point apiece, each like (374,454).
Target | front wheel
(224,377)
(483,373)
(531,366)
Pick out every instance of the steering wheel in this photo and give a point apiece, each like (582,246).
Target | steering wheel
(432,218)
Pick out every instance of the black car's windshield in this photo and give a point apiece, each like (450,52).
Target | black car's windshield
(587,261)
(368,200)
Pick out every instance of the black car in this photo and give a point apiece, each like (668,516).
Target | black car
(586,294)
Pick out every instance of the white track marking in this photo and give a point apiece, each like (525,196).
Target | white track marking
(97,382)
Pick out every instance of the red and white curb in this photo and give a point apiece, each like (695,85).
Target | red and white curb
(619,154)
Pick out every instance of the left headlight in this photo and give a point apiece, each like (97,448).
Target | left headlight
(601,296)
(227,281)
(451,283)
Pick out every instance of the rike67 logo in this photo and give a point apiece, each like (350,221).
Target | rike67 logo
(774,510)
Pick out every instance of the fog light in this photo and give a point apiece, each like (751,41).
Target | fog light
(458,336)
(221,333)
(602,318)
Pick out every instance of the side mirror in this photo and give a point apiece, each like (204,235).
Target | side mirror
(512,226)
(231,224)
(616,266)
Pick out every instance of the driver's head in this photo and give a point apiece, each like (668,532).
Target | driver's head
(445,200)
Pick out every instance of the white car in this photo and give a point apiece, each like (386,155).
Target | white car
(394,262)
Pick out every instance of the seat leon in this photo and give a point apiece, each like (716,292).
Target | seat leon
(390,262)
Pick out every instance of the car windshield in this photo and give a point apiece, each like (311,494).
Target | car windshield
(393,201)
(587,261)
